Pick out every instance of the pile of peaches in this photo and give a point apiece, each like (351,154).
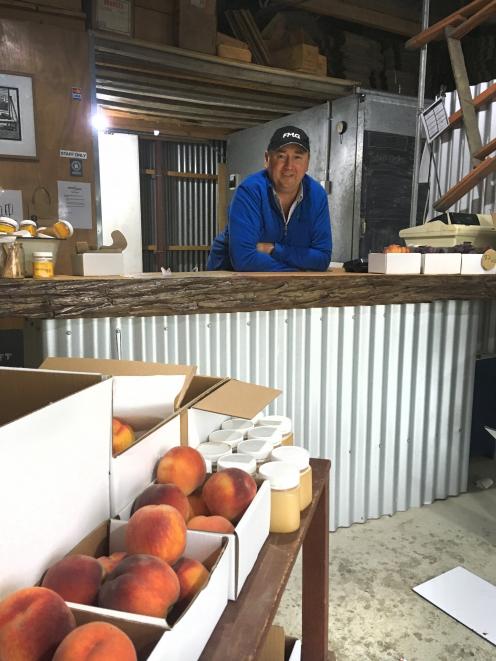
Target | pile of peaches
(151,577)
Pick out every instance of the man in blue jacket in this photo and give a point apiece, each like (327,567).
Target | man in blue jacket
(278,217)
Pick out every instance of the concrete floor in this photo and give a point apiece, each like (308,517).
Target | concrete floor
(374,614)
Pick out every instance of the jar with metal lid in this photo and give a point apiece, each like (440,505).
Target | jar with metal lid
(242,461)
(300,458)
(230,436)
(258,448)
(284,479)
(213,452)
(43,265)
(267,433)
(29,226)
(8,225)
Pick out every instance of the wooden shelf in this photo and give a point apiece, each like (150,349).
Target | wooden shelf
(241,631)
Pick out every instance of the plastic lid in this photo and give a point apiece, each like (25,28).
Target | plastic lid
(9,221)
(214,451)
(268,433)
(283,423)
(48,255)
(299,457)
(257,448)
(242,461)
(28,222)
(237,423)
(230,436)
(66,224)
(281,475)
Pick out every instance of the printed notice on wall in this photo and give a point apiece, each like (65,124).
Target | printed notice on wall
(75,204)
(11,204)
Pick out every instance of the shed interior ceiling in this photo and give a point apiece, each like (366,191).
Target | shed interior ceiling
(174,89)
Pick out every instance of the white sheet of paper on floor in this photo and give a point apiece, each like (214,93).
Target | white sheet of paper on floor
(466,597)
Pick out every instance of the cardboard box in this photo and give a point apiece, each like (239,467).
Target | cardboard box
(249,536)
(299,56)
(234,53)
(98,263)
(197,25)
(395,262)
(471,264)
(54,462)
(131,470)
(441,263)
(172,642)
(155,26)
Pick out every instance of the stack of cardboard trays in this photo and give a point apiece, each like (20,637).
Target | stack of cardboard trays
(56,457)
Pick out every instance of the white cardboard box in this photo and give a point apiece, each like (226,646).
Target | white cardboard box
(471,264)
(98,263)
(249,536)
(190,633)
(441,263)
(54,461)
(392,262)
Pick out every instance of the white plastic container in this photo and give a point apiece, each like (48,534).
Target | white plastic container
(214,451)
(283,423)
(238,424)
(259,449)
(300,458)
(284,479)
(267,433)
(231,437)
(439,234)
(242,461)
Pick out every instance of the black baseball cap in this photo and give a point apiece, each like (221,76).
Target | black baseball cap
(289,135)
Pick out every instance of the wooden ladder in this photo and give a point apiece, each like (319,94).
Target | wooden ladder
(453,28)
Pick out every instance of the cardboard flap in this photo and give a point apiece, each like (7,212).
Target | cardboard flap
(122,368)
(238,399)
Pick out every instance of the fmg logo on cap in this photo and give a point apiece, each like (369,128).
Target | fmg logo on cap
(287,135)
(292,135)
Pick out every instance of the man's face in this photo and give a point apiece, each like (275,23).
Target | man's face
(286,167)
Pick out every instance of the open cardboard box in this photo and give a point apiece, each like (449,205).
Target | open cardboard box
(248,538)
(201,405)
(154,638)
(54,461)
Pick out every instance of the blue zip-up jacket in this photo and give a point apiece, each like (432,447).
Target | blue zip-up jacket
(304,244)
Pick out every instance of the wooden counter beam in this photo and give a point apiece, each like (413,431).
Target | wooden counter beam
(194,293)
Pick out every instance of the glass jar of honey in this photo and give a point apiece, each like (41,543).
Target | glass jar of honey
(43,265)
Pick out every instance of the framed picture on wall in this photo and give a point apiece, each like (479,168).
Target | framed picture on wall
(17,129)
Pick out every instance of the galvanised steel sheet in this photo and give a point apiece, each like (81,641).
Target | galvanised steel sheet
(385,392)
(452,159)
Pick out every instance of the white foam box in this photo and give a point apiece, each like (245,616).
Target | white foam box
(392,262)
(54,461)
(471,265)
(248,538)
(148,396)
(154,637)
(441,263)
(98,263)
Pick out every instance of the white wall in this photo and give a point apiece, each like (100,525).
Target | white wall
(120,194)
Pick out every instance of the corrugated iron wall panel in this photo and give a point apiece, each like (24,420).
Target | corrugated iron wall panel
(486,345)
(452,159)
(385,392)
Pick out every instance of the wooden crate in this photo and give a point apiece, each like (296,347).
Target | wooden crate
(234,53)
(299,56)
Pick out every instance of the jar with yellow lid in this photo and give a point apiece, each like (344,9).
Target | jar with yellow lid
(284,479)
(8,225)
(300,458)
(43,265)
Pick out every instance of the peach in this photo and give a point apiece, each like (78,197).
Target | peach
(122,436)
(158,530)
(164,494)
(75,578)
(33,621)
(110,562)
(197,504)
(229,492)
(96,641)
(212,523)
(192,577)
(142,584)
(184,467)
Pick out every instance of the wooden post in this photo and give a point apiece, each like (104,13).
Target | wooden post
(465,96)
(221,196)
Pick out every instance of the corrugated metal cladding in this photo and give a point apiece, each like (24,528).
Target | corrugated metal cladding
(190,204)
(452,158)
(385,392)
(486,345)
